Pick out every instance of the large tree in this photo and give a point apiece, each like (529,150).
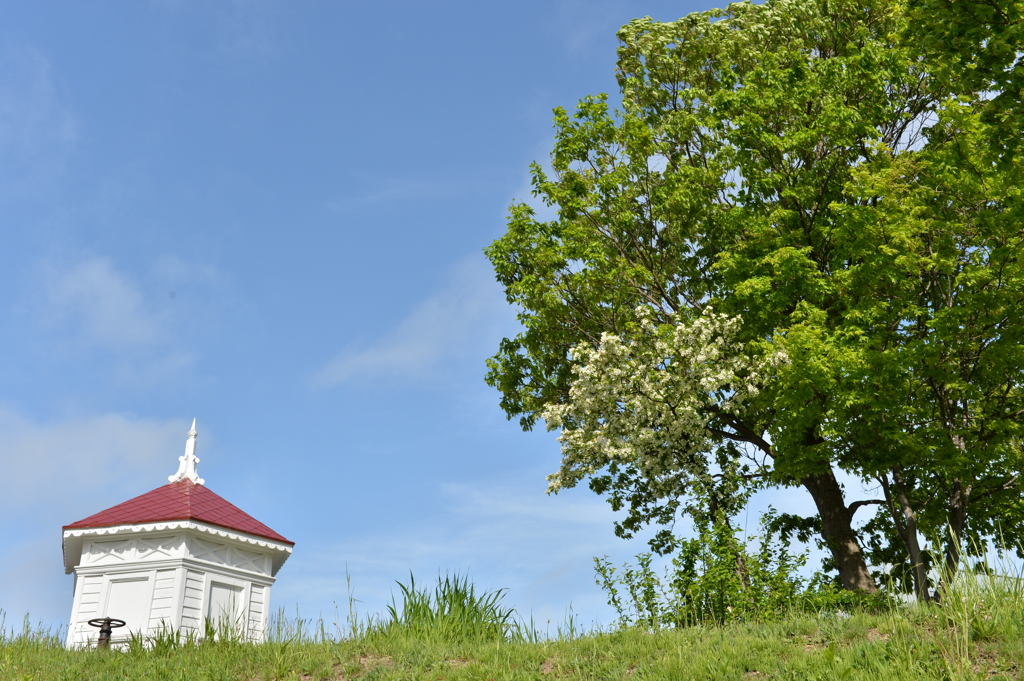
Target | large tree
(948,437)
(934,394)
(742,285)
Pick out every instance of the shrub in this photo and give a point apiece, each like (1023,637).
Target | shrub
(714,578)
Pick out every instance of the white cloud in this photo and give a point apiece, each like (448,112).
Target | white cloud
(37,131)
(583,24)
(145,324)
(469,307)
(34,584)
(104,307)
(242,29)
(399,189)
(63,465)
(57,473)
(368,189)
(173,272)
(245,28)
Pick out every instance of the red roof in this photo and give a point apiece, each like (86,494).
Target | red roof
(183,500)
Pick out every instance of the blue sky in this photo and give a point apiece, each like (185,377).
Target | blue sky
(271,216)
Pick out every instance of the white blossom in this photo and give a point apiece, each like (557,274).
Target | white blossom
(646,400)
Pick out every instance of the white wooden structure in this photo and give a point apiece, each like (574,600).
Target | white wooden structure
(173,558)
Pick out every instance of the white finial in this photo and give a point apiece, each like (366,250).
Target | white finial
(187,463)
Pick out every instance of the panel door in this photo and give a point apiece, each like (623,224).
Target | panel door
(128,600)
(224,608)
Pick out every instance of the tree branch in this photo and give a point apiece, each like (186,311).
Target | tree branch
(864,502)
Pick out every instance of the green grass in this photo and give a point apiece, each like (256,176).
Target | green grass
(452,611)
(450,632)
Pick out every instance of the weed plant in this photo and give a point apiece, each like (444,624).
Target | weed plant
(452,611)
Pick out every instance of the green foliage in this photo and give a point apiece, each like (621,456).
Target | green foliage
(976,45)
(714,578)
(453,611)
(826,173)
(823,595)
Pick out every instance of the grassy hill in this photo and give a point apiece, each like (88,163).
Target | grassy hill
(452,633)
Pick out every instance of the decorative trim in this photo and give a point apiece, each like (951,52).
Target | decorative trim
(177,525)
(198,565)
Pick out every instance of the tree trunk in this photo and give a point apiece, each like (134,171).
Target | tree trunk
(742,573)
(837,530)
(906,525)
(958,498)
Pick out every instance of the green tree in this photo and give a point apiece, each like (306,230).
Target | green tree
(773,190)
(948,438)
(975,46)
(935,393)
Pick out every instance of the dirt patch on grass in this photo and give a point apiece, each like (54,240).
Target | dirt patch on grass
(370,662)
(988,663)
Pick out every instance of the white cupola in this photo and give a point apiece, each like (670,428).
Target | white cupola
(173,558)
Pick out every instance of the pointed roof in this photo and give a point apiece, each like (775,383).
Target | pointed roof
(183,500)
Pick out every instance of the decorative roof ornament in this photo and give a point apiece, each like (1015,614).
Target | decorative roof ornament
(187,462)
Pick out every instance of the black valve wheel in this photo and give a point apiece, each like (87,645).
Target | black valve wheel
(106,625)
(111,622)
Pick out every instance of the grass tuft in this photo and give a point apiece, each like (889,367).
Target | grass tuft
(452,611)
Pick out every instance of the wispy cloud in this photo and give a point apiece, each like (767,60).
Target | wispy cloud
(58,472)
(37,129)
(378,191)
(63,465)
(144,323)
(468,308)
(507,534)
(587,22)
(241,29)
(246,29)
(587,28)
(102,305)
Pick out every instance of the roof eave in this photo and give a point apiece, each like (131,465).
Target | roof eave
(73,538)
